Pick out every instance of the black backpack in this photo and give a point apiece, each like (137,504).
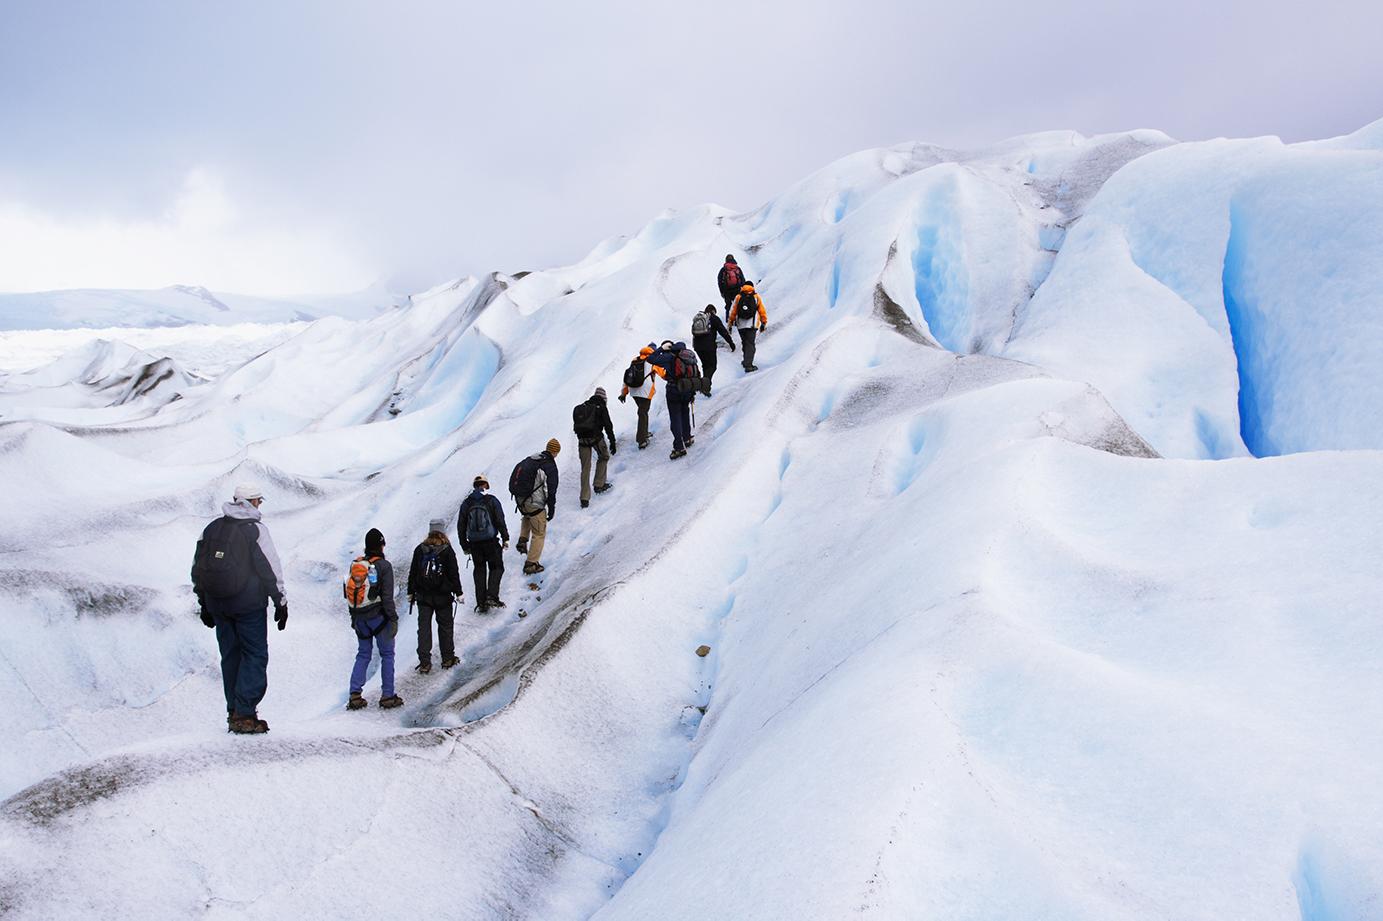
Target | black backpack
(635,374)
(524,479)
(222,567)
(749,305)
(480,522)
(432,577)
(585,421)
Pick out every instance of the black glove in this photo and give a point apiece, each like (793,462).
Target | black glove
(732,346)
(612,446)
(281,614)
(622,397)
(392,630)
(551,513)
(763,326)
(206,618)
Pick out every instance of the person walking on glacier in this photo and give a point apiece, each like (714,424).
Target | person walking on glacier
(676,364)
(590,420)
(705,326)
(533,484)
(641,384)
(729,280)
(434,586)
(235,573)
(480,525)
(747,310)
(369,591)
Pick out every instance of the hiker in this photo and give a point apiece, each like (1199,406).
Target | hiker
(729,280)
(533,484)
(676,364)
(588,421)
(235,573)
(434,581)
(748,309)
(480,525)
(369,591)
(640,384)
(705,325)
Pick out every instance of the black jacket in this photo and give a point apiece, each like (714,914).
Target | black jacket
(706,342)
(496,512)
(262,582)
(602,421)
(451,575)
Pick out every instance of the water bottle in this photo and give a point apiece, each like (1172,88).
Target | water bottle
(374,576)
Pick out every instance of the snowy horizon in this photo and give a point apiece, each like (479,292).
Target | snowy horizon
(323,147)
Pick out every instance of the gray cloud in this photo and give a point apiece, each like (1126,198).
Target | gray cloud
(431,139)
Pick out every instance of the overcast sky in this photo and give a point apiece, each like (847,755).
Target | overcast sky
(292,147)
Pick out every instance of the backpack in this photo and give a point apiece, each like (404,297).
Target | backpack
(361,585)
(480,523)
(222,567)
(432,577)
(701,323)
(686,374)
(733,276)
(585,422)
(525,486)
(635,374)
(749,305)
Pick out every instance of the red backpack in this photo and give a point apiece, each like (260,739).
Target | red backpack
(733,276)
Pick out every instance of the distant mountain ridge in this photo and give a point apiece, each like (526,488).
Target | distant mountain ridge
(177,305)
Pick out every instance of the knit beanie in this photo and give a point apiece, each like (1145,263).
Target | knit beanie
(437,524)
(553,446)
(374,542)
(600,392)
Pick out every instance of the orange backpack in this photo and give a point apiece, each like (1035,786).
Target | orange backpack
(361,586)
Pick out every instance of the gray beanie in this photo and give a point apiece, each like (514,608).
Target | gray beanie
(437,524)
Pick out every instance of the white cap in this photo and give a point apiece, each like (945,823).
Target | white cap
(247,491)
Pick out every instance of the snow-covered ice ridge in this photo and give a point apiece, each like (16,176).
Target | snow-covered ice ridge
(1011,612)
(177,305)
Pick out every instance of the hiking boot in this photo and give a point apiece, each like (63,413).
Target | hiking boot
(605,487)
(642,445)
(390,702)
(676,453)
(529,569)
(449,661)
(496,603)
(691,440)
(357,702)
(585,503)
(424,668)
(481,607)
(752,368)
(248,725)
(522,546)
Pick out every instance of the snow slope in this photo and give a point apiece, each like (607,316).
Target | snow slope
(977,650)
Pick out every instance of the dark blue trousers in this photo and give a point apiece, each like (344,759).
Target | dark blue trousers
(244,642)
(679,417)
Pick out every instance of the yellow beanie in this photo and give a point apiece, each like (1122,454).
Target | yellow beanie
(553,446)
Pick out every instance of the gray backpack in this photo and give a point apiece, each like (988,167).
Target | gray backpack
(701,323)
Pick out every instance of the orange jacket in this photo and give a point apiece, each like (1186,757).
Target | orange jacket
(738,323)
